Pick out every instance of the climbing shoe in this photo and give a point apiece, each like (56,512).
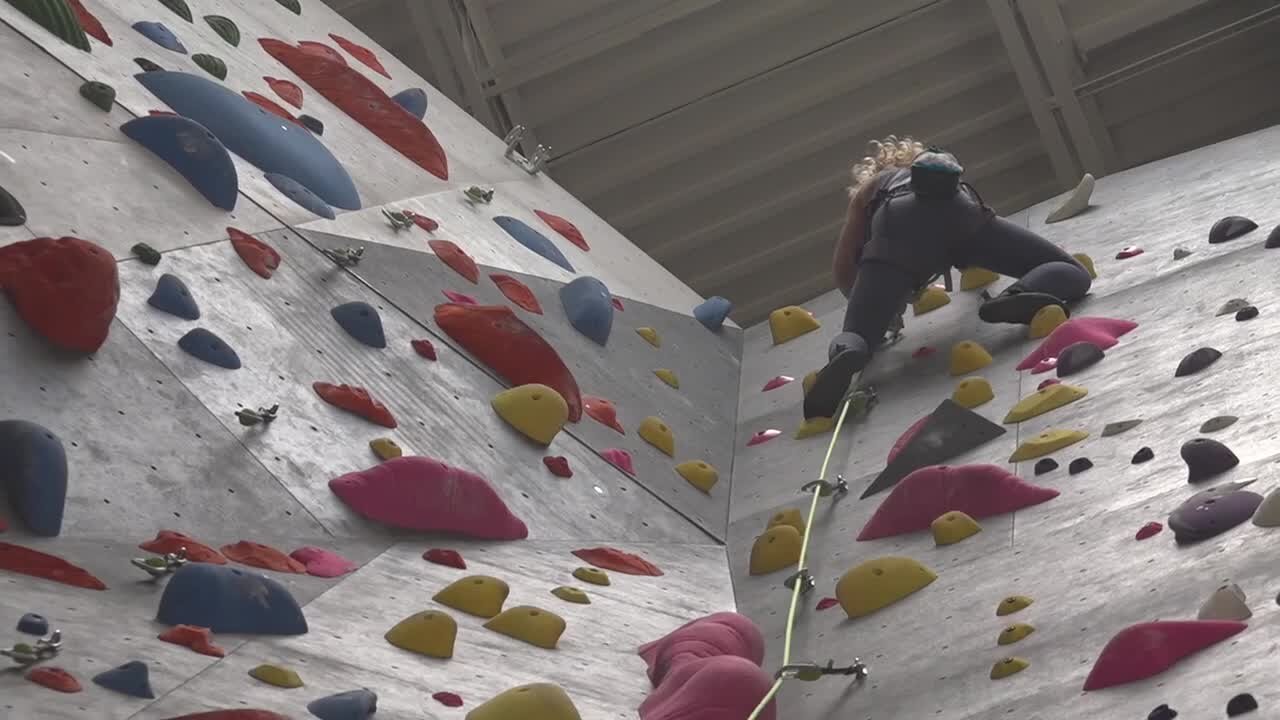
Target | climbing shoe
(1017,307)
(823,400)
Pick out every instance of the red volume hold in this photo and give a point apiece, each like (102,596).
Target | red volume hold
(66,289)
(24,560)
(1146,649)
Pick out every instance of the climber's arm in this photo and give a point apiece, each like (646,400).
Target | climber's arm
(852,238)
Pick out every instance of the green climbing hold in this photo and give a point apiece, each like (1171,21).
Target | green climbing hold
(225,27)
(292,5)
(147,65)
(179,7)
(146,253)
(57,17)
(210,64)
(100,94)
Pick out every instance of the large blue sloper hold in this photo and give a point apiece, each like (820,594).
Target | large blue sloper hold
(362,322)
(172,296)
(712,312)
(132,679)
(533,240)
(161,35)
(267,141)
(414,100)
(210,348)
(191,150)
(350,705)
(589,305)
(226,599)
(300,195)
(33,471)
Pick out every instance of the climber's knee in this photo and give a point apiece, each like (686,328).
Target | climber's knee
(1067,281)
(846,341)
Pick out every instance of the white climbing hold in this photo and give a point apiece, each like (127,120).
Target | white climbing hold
(1226,603)
(1268,513)
(1075,203)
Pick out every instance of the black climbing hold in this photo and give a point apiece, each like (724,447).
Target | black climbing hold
(1248,313)
(33,624)
(1045,465)
(99,93)
(293,5)
(57,17)
(210,348)
(1144,454)
(1179,253)
(362,322)
(311,124)
(1230,228)
(225,27)
(1197,361)
(1115,428)
(414,100)
(12,213)
(1162,712)
(950,430)
(350,705)
(33,471)
(147,65)
(1273,240)
(179,7)
(1078,356)
(1212,512)
(160,34)
(146,254)
(1241,704)
(1233,305)
(1079,465)
(172,296)
(1206,458)
(1221,422)
(211,64)
(132,679)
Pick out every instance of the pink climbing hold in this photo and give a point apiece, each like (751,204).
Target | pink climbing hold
(923,351)
(763,436)
(721,633)
(1151,529)
(426,494)
(977,490)
(447,699)
(1100,331)
(1045,366)
(565,228)
(1046,383)
(460,298)
(322,563)
(826,603)
(724,687)
(446,557)
(1131,251)
(777,382)
(617,304)
(1146,649)
(620,459)
(906,437)
(424,348)
(558,465)
(618,561)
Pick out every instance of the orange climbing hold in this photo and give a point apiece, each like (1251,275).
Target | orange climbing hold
(517,292)
(269,105)
(195,637)
(602,411)
(66,289)
(456,258)
(25,561)
(262,556)
(172,541)
(361,53)
(565,228)
(92,26)
(259,256)
(515,351)
(618,561)
(286,89)
(54,678)
(355,400)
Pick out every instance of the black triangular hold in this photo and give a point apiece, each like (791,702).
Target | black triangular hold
(950,431)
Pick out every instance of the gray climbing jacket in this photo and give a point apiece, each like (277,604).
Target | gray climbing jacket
(920,236)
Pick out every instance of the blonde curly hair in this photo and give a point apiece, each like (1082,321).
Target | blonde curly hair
(891,152)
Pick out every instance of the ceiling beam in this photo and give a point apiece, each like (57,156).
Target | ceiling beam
(1127,18)
(491,49)
(426,14)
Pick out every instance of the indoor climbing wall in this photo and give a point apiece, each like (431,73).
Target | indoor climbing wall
(1077,524)
(316,400)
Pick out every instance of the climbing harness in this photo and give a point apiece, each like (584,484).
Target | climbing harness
(160,565)
(261,416)
(45,649)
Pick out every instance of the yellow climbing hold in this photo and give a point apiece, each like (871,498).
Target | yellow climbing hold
(699,473)
(650,335)
(530,624)
(595,576)
(791,322)
(932,298)
(1012,604)
(1045,320)
(1044,400)
(1047,442)
(537,411)
(1008,666)
(571,594)
(879,583)
(1087,262)
(478,595)
(973,278)
(1014,633)
(385,448)
(789,516)
(429,633)
(668,377)
(658,434)
(539,701)
(814,426)
(972,392)
(968,356)
(807,382)
(950,528)
(776,549)
(276,675)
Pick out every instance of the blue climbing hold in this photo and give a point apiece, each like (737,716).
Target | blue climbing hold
(33,470)
(350,705)
(210,348)
(191,150)
(589,305)
(172,296)
(267,141)
(33,624)
(301,195)
(226,599)
(533,240)
(712,312)
(132,679)
(414,100)
(361,321)
(157,33)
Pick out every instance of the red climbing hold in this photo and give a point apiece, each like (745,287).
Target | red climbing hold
(456,258)
(1097,330)
(319,49)
(777,382)
(460,298)
(232,715)
(602,411)
(826,603)
(1146,649)
(620,459)
(1131,251)
(421,221)
(66,289)
(1151,529)
(422,493)
(443,556)
(262,556)
(499,339)
(763,436)
(565,228)
(517,292)
(367,104)
(361,53)
(171,541)
(259,256)
(25,561)
(447,699)
(617,304)
(1046,383)
(559,466)
(978,490)
(618,561)
(92,26)
(906,437)
(195,637)
(286,89)
(424,348)
(355,400)
(54,678)
(923,351)
(269,105)
(322,563)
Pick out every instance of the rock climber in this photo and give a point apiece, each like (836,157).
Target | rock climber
(910,219)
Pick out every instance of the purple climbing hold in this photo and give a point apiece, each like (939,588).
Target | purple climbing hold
(350,705)
(172,296)
(1246,313)
(132,679)
(12,213)
(1212,512)
(203,344)
(533,240)
(1241,704)
(414,100)
(1162,712)
(1197,361)
(33,472)
(1230,228)
(227,599)
(1206,458)
(1273,240)
(1079,465)
(1045,465)
(161,35)
(300,195)
(1143,455)
(362,322)
(1078,356)
(33,624)
(589,307)
(193,151)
